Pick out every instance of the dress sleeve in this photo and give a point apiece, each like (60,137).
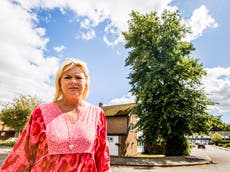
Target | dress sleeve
(102,154)
(23,153)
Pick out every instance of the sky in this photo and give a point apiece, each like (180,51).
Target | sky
(37,36)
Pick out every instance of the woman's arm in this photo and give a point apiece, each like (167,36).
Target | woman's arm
(102,155)
(23,153)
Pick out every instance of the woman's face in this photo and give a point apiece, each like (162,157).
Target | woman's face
(73,82)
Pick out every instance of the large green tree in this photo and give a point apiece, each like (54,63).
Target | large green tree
(227,127)
(216,124)
(15,114)
(165,80)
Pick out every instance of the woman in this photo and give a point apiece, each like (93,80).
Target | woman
(67,135)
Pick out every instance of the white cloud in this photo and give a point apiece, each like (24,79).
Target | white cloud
(59,48)
(111,41)
(123,100)
(217,84)
(85,23)
(112,35)
(115,13)
(23,67)
(89,34)
(87,27)
(41,31)
(199,22)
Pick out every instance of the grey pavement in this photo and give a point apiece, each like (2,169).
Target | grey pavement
(3,153)
(197,157)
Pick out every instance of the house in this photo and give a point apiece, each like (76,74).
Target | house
(6,132)
(122,136)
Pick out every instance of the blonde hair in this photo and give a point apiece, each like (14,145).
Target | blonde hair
(69,64)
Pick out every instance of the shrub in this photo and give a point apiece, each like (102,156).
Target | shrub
(7,143)
(216,138)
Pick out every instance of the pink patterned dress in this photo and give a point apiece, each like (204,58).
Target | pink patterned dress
(50,143)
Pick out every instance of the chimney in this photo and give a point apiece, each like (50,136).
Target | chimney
(100,104)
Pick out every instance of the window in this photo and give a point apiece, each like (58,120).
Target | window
(131,127)
(110,139)
(140,143)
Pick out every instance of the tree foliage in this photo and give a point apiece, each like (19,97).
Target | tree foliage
(216,124)
(165,80)
(15,114)
(216,137)
(227,127)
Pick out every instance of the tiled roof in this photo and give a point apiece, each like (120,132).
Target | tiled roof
(223,133)
(118,110)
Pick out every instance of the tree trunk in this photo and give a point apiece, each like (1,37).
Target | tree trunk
(177,146)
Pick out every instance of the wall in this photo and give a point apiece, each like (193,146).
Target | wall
(117,124)
(113,145)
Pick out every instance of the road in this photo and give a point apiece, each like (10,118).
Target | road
(220,157)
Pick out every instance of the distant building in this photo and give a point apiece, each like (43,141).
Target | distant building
(196,138)
(225,134)
(6,132)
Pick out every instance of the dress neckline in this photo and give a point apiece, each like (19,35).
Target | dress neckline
(81,113)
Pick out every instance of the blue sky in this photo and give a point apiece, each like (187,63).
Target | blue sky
(36,36)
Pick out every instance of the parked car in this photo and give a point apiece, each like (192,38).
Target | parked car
(9,142)
(201,145)
(11,139)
